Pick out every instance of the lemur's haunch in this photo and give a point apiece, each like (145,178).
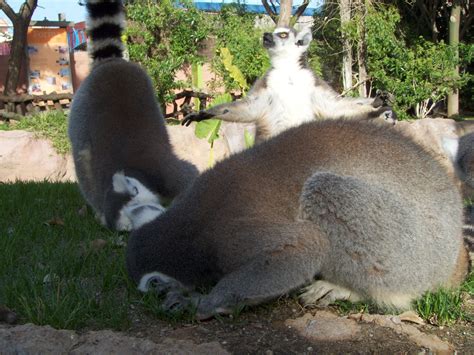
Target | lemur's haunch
(120,145)
(289,94)
(361,207)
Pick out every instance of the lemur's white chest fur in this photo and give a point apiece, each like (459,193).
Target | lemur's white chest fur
(288,101)
(289,90)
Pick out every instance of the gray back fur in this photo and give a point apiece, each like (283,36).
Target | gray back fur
(354,203)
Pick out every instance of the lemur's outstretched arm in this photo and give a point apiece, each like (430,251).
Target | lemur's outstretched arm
(326,104)
(245,110)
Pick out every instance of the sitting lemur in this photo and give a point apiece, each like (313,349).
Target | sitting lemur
(290,94)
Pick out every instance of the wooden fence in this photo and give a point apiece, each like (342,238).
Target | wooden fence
(19,106)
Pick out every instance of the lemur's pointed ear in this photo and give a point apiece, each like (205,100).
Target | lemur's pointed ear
(304,37)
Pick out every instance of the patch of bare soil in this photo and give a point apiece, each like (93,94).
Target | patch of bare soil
(266,330)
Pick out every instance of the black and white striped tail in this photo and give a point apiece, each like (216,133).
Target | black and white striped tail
(469,228)
(105,24)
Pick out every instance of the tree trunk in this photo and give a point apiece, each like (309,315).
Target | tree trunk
(454,24)
(21,21)
(362,47)
(285,13)
(17,57)
(345,13)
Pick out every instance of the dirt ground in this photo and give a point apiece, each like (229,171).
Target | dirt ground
(265,330)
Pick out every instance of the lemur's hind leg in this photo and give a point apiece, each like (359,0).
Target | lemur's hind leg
(274,272)
(322,293)
(356,217)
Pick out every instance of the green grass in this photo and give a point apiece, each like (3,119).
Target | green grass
(51,273)
(44,237)
(51,125)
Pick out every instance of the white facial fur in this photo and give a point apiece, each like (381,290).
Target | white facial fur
(289,48)
(141,209)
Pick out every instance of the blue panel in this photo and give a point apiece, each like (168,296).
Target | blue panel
(254,5)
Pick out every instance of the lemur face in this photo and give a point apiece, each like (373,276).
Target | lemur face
(286,41)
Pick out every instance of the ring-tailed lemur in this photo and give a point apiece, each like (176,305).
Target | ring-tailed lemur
(462,154)
(120,145)
(360,206)
(289,94)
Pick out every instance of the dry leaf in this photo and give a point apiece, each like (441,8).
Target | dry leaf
(55,221)
(98,244)
(411,316)
(7,316)
(82,211)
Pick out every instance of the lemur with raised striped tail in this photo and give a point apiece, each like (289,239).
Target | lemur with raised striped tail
(120,145)
(290,94)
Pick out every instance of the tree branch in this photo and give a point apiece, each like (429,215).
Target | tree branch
(8,11)
(27,9)
(270,10)
(300,10)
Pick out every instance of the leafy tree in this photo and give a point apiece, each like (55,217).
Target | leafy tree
(164,36)
(419,76)
(235,30)
(21,21)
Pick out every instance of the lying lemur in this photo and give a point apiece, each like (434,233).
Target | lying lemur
(120,145)
(289,94)
(361,207)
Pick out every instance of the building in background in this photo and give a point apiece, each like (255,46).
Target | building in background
(53,64)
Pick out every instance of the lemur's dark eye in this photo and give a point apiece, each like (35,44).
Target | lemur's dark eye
(283,34)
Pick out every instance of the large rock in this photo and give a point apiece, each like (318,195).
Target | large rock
(32,339)
(23,156)
(197,151)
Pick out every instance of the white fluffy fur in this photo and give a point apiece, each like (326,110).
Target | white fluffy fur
(144,284)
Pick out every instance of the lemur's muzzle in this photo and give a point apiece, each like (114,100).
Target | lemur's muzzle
(268,41)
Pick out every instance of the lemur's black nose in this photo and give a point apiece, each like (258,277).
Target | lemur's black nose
(268,40)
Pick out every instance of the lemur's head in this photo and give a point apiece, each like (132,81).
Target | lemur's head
(285,42)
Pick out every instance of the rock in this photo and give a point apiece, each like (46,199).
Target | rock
(32,339)
(325,326)
(429,132)
(23,156)
(7,315)
(428,341)
(197,151)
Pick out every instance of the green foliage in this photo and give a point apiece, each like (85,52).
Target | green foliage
(235,29)
(49,270)
(440,308)
(418,76)
(163,38)
(209,129)
(234,71)
(51,125)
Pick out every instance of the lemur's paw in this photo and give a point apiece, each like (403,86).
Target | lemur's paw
(196,117)
(323,293)
(212,305)
(383,98)
(178,301)
(389,115)
(159,283)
